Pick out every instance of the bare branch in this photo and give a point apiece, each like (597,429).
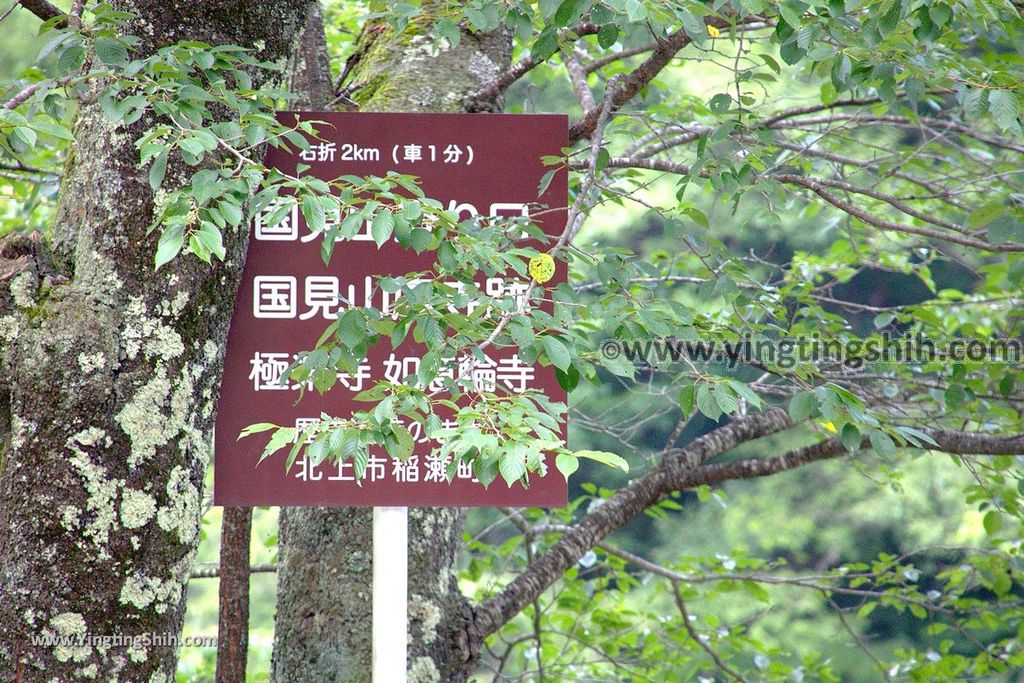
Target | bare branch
(521,68)
(818,187)
(75,16)
(644,74)
(593,66)
(927,121)
(214,571)
(695,637)
(578,78)
(814,108)
(45,11)
(25,93)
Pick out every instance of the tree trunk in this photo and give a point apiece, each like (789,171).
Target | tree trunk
(109,383)
(322,627)
(233,606)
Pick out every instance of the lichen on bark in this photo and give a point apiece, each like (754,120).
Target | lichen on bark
(108,375)
(409,71)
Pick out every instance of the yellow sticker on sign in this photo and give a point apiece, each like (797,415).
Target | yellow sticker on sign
(542,267)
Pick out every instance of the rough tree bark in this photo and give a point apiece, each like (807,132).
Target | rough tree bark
(322,627)
(109,380)
(233,605)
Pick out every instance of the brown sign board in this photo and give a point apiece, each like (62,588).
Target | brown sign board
(474,164)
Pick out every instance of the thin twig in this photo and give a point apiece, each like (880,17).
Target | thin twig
(719,662)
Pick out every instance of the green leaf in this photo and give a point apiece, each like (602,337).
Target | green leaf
(324,379)
(485,470)
(866,610)
(939,13)
(887,22)
(792,11)
(882,443)
(772,64)
(512,466)
(883,320)
(192,146)
(545,182)
(317,451)
(567,12)
(282,438)
(916,436)
(446,28)
(841,69)
(757,591)
(567,463)
(725,399)
(71,59)
(545,45)
(985,214)
(111,51)
(256,429)
(605,458)
(352,328)
(1005,229)
(993,522)
(1004,107)
(606,37)
(403,443)
(746,393)
(975,103)
(209,236)
(232,212)
(556,352)
(635,11)
(382,227)
(169,246)
(619,365)
(568,379)
(255,134)
(707,404)
(687,396)
(851,437)
(720,103)
(802,406)
(914,89)
(314,214)
(25,136)
(157,169)
(57,130)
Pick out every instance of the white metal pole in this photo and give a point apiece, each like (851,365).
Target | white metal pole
(390,593)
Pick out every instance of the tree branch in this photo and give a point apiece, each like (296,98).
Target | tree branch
(682,469)
(628,502)
(644,74)
(502,83)
(819,187)
(45,11)
(578,78)
(695,637)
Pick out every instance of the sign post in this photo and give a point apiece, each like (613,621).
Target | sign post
(390,593)
(486,165)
